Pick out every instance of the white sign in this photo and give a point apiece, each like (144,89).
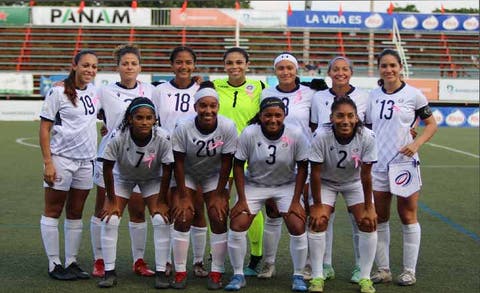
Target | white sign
(458,90)
(258,18)
(91,16)
(16,83)
(20,110)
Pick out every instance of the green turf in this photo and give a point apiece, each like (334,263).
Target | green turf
(449,259)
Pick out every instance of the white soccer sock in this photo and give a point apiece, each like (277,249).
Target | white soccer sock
(169,259)
(316,244)
(95,236)
(382,255)
(109,241)
(237,248)
(161,240)
(367,244)
(271,236)
(73,237)
(198,236)
(355,239)
(180,250)
(298,251)
(138,238)
(327,258)
(49,230)
(411,245)
(218,244)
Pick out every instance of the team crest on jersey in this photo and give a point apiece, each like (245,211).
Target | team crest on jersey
(218,137)
(400,100)
(285,141)
(249,89)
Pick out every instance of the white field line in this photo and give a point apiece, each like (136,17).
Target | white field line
(453,150)
(23,139)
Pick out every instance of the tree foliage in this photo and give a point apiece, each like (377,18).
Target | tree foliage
(408,8)
(140,3)
(458,10)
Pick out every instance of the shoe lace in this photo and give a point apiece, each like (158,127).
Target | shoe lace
(316,281)
(365,283)
(266,268)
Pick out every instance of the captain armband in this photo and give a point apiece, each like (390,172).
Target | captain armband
(424,112)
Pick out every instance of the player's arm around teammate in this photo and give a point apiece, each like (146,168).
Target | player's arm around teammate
(392,111)
(203,149)
(342,155)
(67,138)
(139,154)
(276,154)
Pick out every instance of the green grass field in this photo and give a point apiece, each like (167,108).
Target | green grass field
(449,215)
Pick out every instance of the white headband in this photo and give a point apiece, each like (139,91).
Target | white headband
(286,56)
(205,92)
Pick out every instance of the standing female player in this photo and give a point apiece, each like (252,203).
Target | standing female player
(68,140)
(174,101)
(240,100)
(142,155)
(203,149)
(392,111)
(114,99)
(298,101)
(340,70)
(342,156)
(276,154)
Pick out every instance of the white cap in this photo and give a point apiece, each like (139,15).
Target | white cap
(286,56)
(205,92)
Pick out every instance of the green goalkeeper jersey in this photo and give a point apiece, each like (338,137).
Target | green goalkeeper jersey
(239,103)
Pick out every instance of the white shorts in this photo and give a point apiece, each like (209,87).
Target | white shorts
(98,176)
(352,193)
(146,188)
(72,174)
(256,197)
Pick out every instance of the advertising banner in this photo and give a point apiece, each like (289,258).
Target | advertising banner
(227,17)
(429,87)
(14,15)
(20,110)
(91,16)
(46,82)
(367,20)
(106,78)
(459,90)
(16,83)
(456,116)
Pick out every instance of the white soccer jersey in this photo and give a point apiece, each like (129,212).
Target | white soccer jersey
(322,104)
(298,104)
(271,162)
(203,151)
(114,100)
(173,103)
(74,132)
(392,116)
(341,162)
(135,164)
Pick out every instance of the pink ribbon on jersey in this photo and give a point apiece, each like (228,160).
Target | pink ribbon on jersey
(95,100)
(298,97)
(148,160)
(357,160)
(395,108)
(215,145)
(286,139)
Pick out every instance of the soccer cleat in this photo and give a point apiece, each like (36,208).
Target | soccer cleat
(298,284)
(249,272)
(214,281)
(316,285)
(161,280)
(98,268)
(328,272)
(381,276)
(307,272)
(355,275)
(59,273)
(109,280)
(236,283)
(366,286)
(77,271)
(168,269)
(140,268)
(268,271)
(199,271)
(180,281)
(406,278)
